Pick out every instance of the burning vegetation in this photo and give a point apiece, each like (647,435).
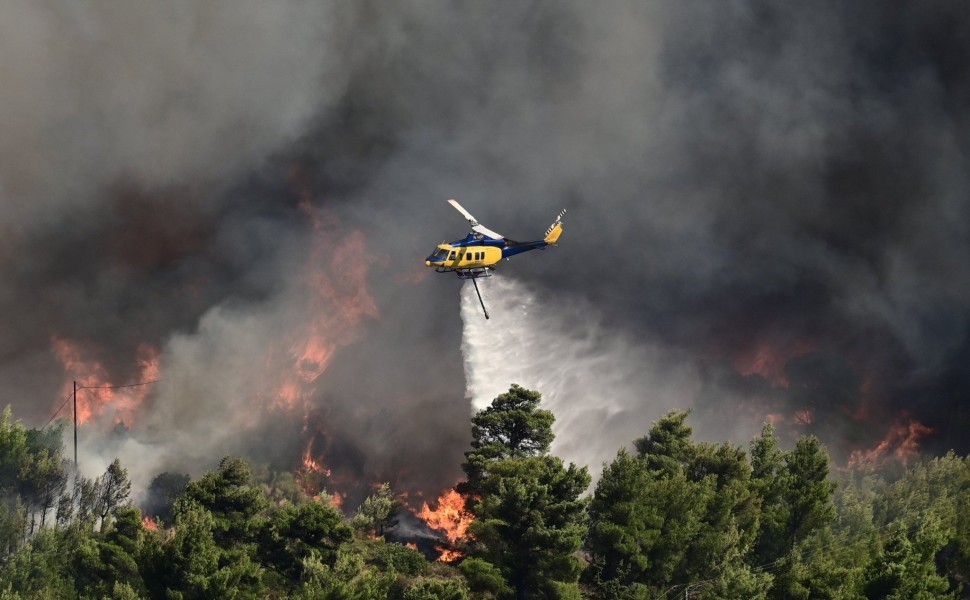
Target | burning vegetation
(449,518)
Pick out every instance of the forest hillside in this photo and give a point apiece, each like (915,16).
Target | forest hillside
(670,517)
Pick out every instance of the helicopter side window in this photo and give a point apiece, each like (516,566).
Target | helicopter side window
(452,255)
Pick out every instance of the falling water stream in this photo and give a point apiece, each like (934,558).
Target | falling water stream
(604,387)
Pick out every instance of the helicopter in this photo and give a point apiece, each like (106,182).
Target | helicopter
(476,255)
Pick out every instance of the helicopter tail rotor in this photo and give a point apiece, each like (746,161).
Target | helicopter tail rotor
(555,230)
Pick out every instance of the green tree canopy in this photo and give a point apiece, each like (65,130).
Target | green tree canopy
(677,513)
(513,426)
(377,512)
(529,517)
(113,491)
(233,503)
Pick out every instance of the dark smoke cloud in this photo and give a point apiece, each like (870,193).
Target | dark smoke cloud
(739,176)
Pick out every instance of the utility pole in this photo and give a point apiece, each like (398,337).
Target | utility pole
(75,424)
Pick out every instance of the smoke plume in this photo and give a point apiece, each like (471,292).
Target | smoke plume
(767,219)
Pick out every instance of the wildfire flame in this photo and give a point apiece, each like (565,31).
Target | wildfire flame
(901,444)
(149,523)
(100,394)
(451,519)
(328,306)
(448,555)
(337,302)
(312,465)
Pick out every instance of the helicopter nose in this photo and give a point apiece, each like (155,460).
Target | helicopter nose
(427,263)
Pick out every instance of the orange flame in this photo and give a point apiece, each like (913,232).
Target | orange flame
(149,523)
(451,519)
(97,394)
(901,444)
(310,464)
(337,302)
(447,555)
(313,475)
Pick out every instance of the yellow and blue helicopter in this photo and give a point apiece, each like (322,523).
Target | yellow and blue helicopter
(476,255)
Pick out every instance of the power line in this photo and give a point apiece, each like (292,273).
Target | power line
(90,387)
(66,400)
(115,387)
(93,387)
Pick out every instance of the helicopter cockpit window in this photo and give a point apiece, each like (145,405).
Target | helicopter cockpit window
(440,253)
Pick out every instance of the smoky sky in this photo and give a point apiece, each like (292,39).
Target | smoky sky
(740,177)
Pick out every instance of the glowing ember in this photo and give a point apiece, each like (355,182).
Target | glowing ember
(98,395)
(450,518)
(412,545)
(901,444)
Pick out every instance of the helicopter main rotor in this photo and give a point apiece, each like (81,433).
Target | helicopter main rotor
(476,226)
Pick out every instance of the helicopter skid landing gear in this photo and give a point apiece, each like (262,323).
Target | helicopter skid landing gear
(474,273)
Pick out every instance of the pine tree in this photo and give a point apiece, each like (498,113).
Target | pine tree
(114,488)
(513,426)
(675,514)
(529,517)
(312,529)
(233,502)
(377,512)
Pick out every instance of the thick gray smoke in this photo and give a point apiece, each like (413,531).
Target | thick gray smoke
(767,203)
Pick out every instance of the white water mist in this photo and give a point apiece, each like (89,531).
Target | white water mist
(604,387)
